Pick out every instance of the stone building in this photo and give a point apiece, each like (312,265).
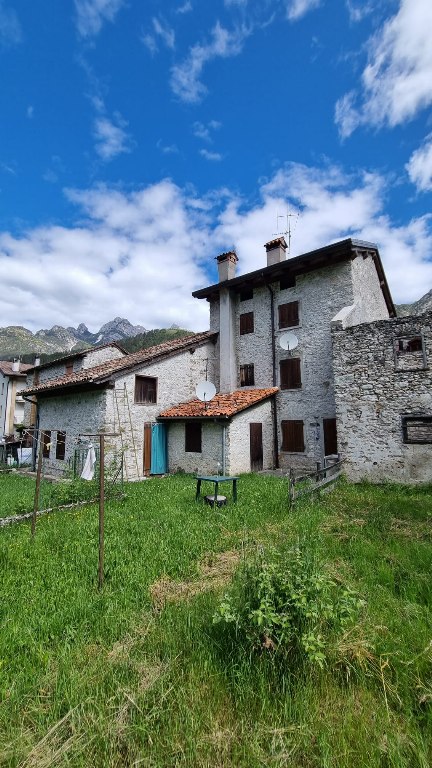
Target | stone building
(383,393)
(13,377)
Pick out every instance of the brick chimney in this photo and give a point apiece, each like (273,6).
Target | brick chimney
(227,265)
(276,251)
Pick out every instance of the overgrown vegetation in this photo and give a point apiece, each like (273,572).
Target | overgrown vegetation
(139,674)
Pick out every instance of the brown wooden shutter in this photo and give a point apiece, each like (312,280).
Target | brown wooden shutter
(145,389)
(330,437)
(246,323)
(256,447)
(293,436)
(247,375)
(288,314)
(290,373)
(61,445)
(193,431)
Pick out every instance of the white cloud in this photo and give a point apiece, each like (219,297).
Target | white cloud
(91,14)
(167,149)
(397,81)
(419,166)
(162,31)
(141,254)
(111,137)
(185,8)
(214,157)
(10,27)
(298,8)
(185,77)
(30,112)
(358,11)
(203,132)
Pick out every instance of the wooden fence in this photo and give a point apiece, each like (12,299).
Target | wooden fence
(313,482)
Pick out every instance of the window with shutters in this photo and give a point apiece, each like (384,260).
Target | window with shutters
(417,429)
(288,314)
(46,444)
(145,389)
(247,376)
(287,281)
(290,373)
(246,323)
(69,368)
(193,435)
(293,436)
(61,445)
(246,294)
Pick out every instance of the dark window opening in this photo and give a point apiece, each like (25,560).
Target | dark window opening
(288,314)
(287,281)
(414,344)
(293,436)
(246,323)
(247,375)
(61,445)
(290,373)
(145,389)
(417,429)
(69,369)
(193,434)
(46,444)
(246,294)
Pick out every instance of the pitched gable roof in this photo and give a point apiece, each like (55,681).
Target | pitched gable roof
(223,405)
(7,370)
(101,374)
(77,354)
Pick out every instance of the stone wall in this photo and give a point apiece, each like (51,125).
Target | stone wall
(208,462)
(374,387)
(238,438)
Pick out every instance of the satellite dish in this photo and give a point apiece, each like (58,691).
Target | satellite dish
(288,341)
(205,391)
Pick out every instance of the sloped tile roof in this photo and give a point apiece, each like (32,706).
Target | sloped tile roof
(79,353)
(223,405)
(7,370)
(101,373)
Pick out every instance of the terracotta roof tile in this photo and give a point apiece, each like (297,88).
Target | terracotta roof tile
(100,373)
(222,406)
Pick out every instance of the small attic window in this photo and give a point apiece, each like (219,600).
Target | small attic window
(410,353)
(287,281)
(417,429)
(145,389)
(246,294)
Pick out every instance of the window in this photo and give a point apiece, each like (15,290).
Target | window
(417,429)
(290,373)
(46,443)
(69,368)
(292,436)
(409,353)
(246,323)
(247,376)
(193,436)
(36,378)
(288,314)
(246,293)
(145,389)
(61,445)
(287,281)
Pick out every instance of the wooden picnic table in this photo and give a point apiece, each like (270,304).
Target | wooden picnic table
(216,479)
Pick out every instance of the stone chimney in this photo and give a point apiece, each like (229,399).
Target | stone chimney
(276,251)
(16,366)
(227,265)
(36,361)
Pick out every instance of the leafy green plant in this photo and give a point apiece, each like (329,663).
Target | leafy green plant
(289,604)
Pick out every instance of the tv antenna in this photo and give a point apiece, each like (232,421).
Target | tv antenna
(288,341)
(205,391)
(289,230)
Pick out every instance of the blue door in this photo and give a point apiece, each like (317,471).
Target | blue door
(159,454)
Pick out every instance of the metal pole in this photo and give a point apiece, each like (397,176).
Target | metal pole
(101,509)
(38,479)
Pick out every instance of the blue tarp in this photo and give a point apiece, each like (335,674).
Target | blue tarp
(159,456)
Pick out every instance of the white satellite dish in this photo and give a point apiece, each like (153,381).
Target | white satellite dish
(288,341)
(205,391)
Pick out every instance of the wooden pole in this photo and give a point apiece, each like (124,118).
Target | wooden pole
(101,509)
(38,480)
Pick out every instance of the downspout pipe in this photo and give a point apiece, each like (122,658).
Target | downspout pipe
(274,409)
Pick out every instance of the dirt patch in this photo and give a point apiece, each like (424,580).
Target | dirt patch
(214,572)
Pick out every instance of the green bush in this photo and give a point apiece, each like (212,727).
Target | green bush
(288,604)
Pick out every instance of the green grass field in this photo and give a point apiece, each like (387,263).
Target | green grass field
(139,675)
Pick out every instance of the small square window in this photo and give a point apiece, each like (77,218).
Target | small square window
(288,314)
(193,436)
(293,436)
(145,389)
(287,281)
(409,353)
(417,429)
(246,294)
(247,375)
(246,323)
(290,373)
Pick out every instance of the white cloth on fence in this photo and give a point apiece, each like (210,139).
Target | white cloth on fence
(89,466)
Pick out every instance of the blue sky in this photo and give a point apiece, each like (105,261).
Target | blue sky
(139,140)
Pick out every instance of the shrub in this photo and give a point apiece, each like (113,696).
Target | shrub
(288,604)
